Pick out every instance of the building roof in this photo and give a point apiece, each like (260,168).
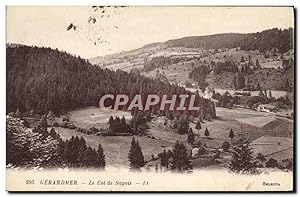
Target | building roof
(258,121)
(267,106)
(283,141)
(278,148)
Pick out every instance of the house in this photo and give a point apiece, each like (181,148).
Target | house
(266,108)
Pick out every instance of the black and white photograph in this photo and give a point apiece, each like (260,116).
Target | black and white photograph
(150,98)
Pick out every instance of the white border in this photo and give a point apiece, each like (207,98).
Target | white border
(119,2)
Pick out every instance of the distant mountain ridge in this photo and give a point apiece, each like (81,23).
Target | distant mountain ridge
(224,40)
(263,41)
(280,39)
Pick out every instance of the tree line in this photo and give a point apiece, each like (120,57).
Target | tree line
(282,39)
(42,80)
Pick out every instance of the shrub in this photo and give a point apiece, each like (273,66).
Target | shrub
(93,130)
(89,132)
(66,119)
(71,126)
(272,163)
(64,124)
(26,123)
(78,129)
(56,124)
(260,157)
(202,150)
(225,146)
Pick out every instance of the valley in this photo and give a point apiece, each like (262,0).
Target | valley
(243,86)
(160,137)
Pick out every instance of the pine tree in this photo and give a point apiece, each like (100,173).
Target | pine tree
(225,146)
(66,153)
(257,64)
(179,160)
(183,125)
(135,155)
(123,122)
(53,134)
(191,136)
(51,117)
(250,60)
(117,123)
(164,159)
(100,157)
(231,134)
(258,86)
(110,120)
(200,117)
(43,122)
(240,81)
(82,152)
(241,161)
(140,156)
(206,132)
(242,69)
(72,153)
(265,93)
(270,94)
(261,93)
(198,125)
(272,163)
(242,59)
(111,123)
(89,158)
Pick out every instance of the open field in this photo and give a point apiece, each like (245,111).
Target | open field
(219,128)
(116,148)
(94,117)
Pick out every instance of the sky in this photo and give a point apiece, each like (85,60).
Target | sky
(122,29)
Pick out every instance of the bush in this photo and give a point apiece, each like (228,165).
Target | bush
(56,124)
(26,123)
(93,130)
(260,157)
(88,132)
(78,129)
(289,165)
(64,124)
(202,150)
(272,163)
(225,146)
(66,119)
(71,126)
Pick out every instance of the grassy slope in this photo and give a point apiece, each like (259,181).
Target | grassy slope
(116,148)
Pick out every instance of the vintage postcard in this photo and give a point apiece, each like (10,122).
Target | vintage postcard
(157,98)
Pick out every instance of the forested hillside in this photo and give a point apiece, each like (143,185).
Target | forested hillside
(42,79)
(262,41)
